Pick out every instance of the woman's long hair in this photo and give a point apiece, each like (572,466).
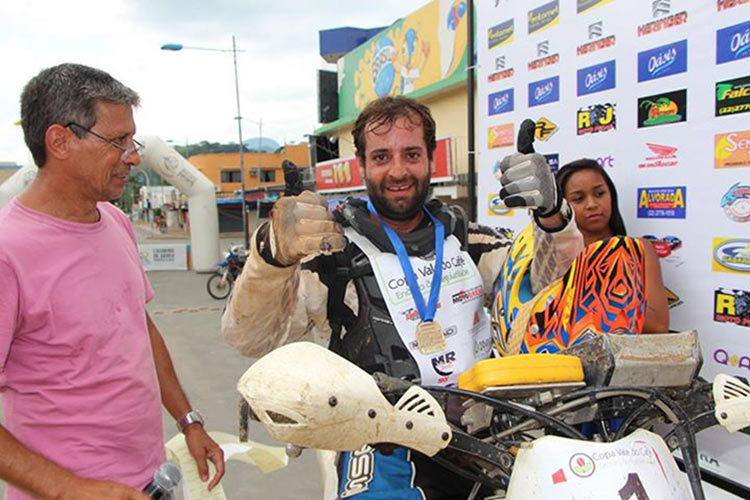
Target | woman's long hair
(616,224)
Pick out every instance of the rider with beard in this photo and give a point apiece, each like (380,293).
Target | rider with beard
(395,285)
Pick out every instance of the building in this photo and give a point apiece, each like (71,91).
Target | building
(422,56)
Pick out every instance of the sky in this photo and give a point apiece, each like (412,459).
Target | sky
(186,96)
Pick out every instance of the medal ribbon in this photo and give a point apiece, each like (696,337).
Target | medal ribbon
(426,313)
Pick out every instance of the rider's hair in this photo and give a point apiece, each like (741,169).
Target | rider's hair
(384,112)
(616,224)
(63,94)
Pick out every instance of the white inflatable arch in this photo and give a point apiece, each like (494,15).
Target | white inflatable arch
(170,165)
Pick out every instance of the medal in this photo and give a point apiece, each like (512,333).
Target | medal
(430,337)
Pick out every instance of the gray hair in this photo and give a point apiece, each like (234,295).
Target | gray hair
(63,94)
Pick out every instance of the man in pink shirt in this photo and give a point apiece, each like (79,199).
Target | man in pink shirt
(83,369)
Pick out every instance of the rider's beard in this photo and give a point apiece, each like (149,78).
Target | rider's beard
(399,209)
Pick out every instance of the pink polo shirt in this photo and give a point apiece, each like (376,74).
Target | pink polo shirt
(77,375)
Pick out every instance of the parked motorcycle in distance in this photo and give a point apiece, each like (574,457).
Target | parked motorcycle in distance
(221,281)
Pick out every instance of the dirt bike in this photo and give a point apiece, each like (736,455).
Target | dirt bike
(600,420)
(220,283)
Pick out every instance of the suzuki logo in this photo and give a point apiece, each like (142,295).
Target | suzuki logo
(500,62)
(595,30)
(542,48)
(660,7)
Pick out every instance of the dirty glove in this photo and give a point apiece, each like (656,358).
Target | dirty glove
(301,226)
(528,182)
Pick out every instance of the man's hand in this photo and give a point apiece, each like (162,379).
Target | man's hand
(527,181)
(92,489)
(302,226)
(202,447)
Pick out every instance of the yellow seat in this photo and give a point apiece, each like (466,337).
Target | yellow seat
(521,369)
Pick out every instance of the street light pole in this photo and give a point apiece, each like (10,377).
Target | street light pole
(178,46)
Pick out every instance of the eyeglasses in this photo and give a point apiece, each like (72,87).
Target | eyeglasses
(137,147)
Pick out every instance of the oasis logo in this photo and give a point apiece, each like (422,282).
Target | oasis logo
(662,61)
(543,57)
(500,34)
(724,358)
(496,207)
(596,118)
(732,149)
(501,72)
(733,96)
(732,306)
(660,8)
(443,364)
(731,255)
(500,102)
(500,136)
(662,109)
(662,202)
(733,43)
(596,78)
(596,42)
(544,17)
(586,5)
(728,4)
(736,203)
(544,91)
(660,156)
(545,129)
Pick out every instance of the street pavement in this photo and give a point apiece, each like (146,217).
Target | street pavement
(189,320)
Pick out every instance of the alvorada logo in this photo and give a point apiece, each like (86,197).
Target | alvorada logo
(542,49)
(733,96)
(733,43)
(731,255)
(586,5)
(736,203)
(732,149)
(596,42)
(596,118)
(544,91)
(500,102)
(660,8)
(661,156)
(500,34)
(596,78)
(732,306)
(544,17)
(728,4)
(662,202)
(501,71)
(666,60)
(662,109)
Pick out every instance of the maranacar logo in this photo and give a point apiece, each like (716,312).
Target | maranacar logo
(733,96)
(500,102)
(544,17)
(500,34)
(597,40)
(500,136)
(545,129)
(732,149)
(728,4)
(596,118)
(731,255)
(502,71)
(660,155)
(662,8)
(596,78)
(586,5)
(733,43)
(732,306)
(668,202)
(666,60)
(544,91)
(736,202)
(662,109)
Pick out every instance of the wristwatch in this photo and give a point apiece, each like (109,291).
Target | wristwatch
(190,417)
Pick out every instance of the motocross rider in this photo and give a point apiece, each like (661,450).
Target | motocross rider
(360,279)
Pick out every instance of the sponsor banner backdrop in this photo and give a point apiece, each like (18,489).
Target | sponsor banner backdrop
(163,257)
(658,92)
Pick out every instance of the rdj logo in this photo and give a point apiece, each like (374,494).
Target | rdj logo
(596,78)
(443,364)
(733,43)
(596,118)
(732,306)
(662,61)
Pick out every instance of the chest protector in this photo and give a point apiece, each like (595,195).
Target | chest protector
(381,337)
